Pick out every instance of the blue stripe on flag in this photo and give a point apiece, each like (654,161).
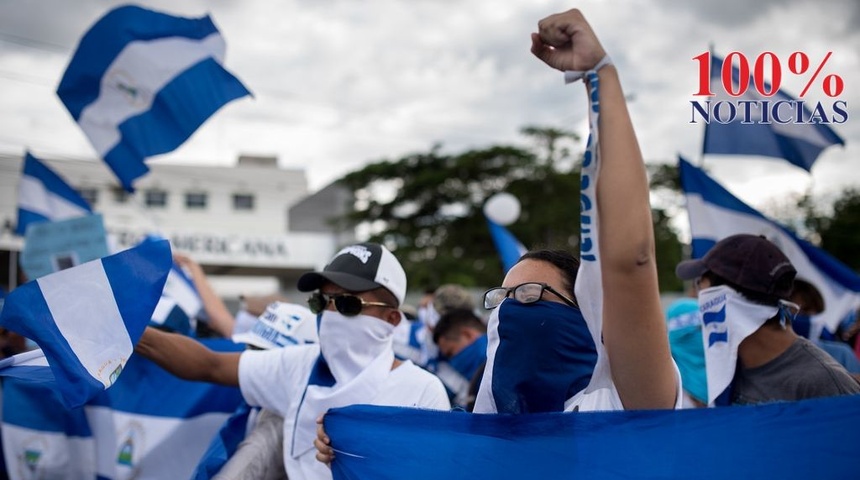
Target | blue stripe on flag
(141,82)
(177,111)
(51,416)
(715,214)
(147,389)
(135,279)
(510,249)
(707,444)
(798,143)
(44,196)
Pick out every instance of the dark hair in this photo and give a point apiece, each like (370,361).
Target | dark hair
(452,321)
(563,260)
(807,297)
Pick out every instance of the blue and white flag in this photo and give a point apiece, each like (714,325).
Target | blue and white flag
(87,318)
(43,196)
(150,424)
(180,303)
(707,444)
(715,214)
(42,438)
(141,82)
(800,143)
(510,249)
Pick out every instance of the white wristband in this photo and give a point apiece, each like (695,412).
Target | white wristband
(571,76)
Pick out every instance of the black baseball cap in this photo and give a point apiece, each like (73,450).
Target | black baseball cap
(749,261)
(359,268)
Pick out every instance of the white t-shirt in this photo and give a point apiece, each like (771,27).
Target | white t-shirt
(276,380)
(601,394)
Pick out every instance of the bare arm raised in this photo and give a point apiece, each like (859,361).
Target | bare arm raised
(634,331)
(188,359)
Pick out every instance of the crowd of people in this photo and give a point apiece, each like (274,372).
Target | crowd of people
(532,344)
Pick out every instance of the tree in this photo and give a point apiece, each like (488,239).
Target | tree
(428,207)
(838,232)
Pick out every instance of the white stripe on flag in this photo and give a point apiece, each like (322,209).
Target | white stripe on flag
(34,197)
(711,222)
(134,78)
(801,131)
(72,295)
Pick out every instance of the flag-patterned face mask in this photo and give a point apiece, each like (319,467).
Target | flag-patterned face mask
(545,355)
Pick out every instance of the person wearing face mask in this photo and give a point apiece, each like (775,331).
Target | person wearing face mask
(592,337)
(752,355)
(462,341)
(356,299)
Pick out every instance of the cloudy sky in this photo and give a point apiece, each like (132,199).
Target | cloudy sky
(340,83)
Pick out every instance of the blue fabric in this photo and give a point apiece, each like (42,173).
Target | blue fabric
(835,275)
(706,444)
(510,249)
(736,138)
(176,110)
(469,359)
(144,396)
(54,186)
(224,444)
(685,341)
(545,356)
(136,277)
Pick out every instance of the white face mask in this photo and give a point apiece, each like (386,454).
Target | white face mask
(350,344)
(727,319)
(428,315)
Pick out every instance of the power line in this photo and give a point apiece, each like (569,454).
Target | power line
(32,43)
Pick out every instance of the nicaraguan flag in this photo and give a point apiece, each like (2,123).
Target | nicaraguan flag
(87,318)
(681,444)
(141,82)
(41,437)
(150,424)
(715,214)
(43,196)
(799,143)
(510,249)
(179,305)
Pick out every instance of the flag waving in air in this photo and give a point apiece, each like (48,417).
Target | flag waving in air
(715,214)
(43,196)
(141,82)
(800,143)
(87,318)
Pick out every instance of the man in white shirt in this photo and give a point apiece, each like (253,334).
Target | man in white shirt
(356,298)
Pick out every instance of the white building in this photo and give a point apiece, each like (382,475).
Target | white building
(252,227)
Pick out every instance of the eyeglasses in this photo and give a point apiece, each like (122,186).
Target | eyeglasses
(524,293)
(345,303)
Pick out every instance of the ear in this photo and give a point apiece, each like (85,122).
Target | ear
(393,317)
(470,334)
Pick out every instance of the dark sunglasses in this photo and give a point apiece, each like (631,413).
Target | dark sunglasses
(345,303)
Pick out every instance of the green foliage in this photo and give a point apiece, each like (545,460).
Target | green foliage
(427,207)
(837,232)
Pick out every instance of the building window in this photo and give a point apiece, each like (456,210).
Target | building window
(242,201)
(120,195)
(156,198)
(91,195)
(196,200)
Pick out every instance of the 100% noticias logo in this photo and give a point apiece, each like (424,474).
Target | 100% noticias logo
(766,104)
